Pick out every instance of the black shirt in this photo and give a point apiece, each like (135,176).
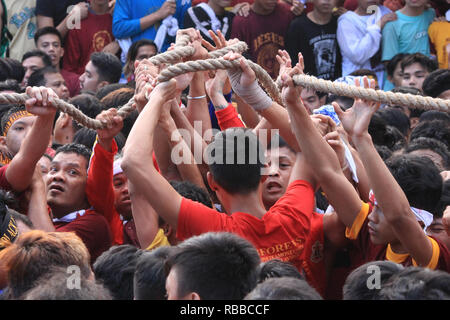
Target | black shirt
(56,9)
(318,45)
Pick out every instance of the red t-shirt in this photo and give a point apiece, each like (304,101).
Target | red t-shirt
(371,252)
(280,234)
(72,82)
(95,33)
(264,35)
(314,263)
(92,228)
(4,184)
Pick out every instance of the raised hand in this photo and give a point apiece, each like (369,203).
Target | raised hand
(113,123)
(357,118)
(284,60)
(242,9)
(291,93)
(243,76)
(145,75)
(214,86)
(41,102)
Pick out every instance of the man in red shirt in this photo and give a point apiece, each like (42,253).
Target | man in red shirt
(264,30)
(49,40)
(94,34)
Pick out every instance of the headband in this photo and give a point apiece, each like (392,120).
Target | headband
(13,118)
(420,214)
(117,168)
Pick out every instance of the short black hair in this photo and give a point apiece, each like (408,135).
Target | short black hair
(419,178)
(37,78)
(38,53)
(108,66)
(384,152)
(281,143)
(276,268)
(397,118)
(355,286)
(47,30)
(415,112)
(215,265)
(10,85)
(436,82)
(88,104)
(437,129)
(421,59)
(284,288)
(392,64)
(246,155)
(424,143)
(115,268)
(53,286)
(150,276)
(415,283)
(104,91)
(434,115)
(11,69)
(76,148)
(364,72)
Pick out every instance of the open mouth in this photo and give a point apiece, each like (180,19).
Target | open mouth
(55,188)
(273,187)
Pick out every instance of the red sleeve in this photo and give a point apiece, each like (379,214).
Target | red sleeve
(100,177)
(228,118)
(195,218)
(4,184)
(93,230)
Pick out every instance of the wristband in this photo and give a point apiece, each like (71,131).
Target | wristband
(195,98)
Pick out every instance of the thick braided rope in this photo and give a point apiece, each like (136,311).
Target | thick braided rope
(391,98)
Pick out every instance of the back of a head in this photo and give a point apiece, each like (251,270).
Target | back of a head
(115,270)
(395,117)
(431,115)
(150,275)
(436,83)
(276,268)
(216,266)
(414,283)
(88,104)
(284,288)
(11,69)
(366,281)
(424,143)
(35,252)
(59,284)
(106,90)
(191,191)
(419,179)
(437,129)
(10,85)
(235,159)
(108,66)
(37,78)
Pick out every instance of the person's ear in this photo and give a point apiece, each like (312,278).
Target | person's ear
(212,183)
(102,84)
(194,296)
(65,120)
(414,122)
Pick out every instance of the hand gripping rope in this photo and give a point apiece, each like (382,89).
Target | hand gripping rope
(215,61)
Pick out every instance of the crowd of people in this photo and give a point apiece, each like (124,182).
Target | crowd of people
(209,189)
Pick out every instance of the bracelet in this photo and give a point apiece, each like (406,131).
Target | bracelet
(199,97)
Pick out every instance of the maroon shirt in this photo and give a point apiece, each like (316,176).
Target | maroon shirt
(264,35)
(93,229)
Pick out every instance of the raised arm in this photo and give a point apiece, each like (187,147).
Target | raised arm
(318,153)
(20,171)
(137,161)
(390,197)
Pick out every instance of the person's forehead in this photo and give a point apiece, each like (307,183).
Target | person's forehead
(24,121)
(308,93)
(91,68)
(282,152)
(145,49)
(52,77)
(69,158)
(415,67)
(48,38)
(33,61)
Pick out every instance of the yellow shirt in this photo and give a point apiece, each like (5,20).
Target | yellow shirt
(439,33)
(159,241)
(22,24)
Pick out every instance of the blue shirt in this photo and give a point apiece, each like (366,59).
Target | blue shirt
(127,15)
(407,34)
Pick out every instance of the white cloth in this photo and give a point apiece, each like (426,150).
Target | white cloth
(169,26)
(213,24)
(359,39)
(71,216)
(117,168)
(125,45)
